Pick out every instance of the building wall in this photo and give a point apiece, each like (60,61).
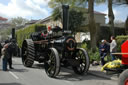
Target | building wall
(1,21)
(99,18)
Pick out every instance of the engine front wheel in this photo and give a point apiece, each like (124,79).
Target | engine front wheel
(83,58)
(52,63)
(123,78)
(28,53)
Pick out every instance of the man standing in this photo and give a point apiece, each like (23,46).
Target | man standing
(11,51)
(113,46)
(103,50)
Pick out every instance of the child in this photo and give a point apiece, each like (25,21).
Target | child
(4,57)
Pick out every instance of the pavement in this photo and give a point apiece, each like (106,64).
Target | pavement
(36,75)
(96,71)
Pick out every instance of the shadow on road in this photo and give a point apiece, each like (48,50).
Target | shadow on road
(10,84)
(74,77)
(38,66)
(17,64)
(107,75)
(19,70)
(69,75)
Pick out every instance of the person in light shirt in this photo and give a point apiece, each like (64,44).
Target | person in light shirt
(113,46)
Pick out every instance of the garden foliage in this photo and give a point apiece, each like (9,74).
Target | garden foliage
(25,33)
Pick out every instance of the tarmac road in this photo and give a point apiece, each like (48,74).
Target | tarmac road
(37,76)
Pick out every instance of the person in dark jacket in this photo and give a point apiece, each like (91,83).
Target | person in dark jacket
(0,49)
(103,48)
(10,52)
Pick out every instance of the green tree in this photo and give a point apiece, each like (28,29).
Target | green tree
(121,2)
(126,1)
(5,34)
(76,19)
(18,21)
(92,25)
(111,16)
(76,15)
(126,25)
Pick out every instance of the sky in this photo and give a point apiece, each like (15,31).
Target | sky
(30,9)
(120,11)
(38,9)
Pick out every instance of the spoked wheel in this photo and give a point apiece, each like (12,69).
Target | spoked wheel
(52,63)
(28,53)
(83,58)
(123,78)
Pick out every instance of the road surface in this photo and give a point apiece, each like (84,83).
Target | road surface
(37,76)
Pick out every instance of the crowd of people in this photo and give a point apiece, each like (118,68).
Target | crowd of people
(106,48)
(6,52)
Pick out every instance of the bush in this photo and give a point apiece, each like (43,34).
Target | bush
(23,34)
(93,56)
(120,40)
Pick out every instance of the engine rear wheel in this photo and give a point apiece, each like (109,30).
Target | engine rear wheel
(52,63)
(83,58)
(123,78)
(28,53)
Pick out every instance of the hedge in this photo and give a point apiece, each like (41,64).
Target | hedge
(24,33)
(120,40)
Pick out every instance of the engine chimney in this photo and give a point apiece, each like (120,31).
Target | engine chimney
(65,17)
(13,33)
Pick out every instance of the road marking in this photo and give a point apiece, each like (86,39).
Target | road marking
(13,75)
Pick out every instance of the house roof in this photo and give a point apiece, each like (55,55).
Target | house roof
(84,9)
(95,12)
(3,19)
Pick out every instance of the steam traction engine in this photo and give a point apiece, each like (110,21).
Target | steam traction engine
(55,49)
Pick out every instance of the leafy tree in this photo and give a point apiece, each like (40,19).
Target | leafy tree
(126,1)
(92,25)
(58,3)
(76,15)
(119,23)
(126,25)
(111,16)
(18,21)
(5,34)
(120,2)
(76,19)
